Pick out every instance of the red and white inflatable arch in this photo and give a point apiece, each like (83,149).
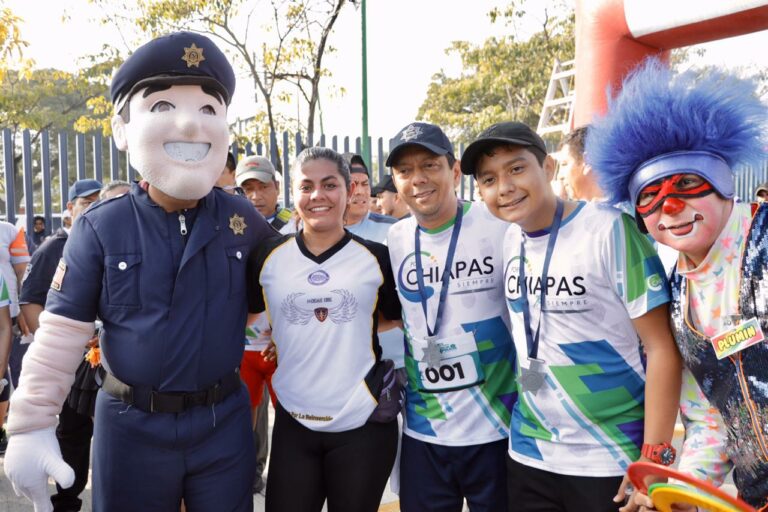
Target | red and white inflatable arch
(613,36)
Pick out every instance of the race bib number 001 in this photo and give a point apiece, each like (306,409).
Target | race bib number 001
(459,366)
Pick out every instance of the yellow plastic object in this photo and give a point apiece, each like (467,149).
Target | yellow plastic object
(638,471)
(664,495)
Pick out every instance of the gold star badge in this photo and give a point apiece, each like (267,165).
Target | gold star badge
(237,224)
(193,56)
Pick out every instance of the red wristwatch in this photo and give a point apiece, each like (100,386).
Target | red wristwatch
(663,453)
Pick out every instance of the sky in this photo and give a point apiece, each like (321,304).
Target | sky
(406,46)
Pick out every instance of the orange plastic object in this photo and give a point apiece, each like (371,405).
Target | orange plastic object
(638,471)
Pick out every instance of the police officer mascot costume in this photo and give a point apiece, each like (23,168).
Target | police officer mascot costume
(164,269)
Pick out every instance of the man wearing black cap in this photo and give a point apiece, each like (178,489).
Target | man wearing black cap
(172,419)
(360,220)
(389,200)
(584,409)
(459,356)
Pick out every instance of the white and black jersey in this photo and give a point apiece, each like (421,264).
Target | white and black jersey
(324,316)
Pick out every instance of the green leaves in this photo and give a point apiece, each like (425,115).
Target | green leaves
(502,79)
(42,99)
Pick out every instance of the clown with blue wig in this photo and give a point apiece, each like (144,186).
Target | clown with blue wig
(670,144)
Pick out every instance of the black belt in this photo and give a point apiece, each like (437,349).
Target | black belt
(149,400)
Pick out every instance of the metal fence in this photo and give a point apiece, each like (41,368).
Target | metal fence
(42,169)
(40,165)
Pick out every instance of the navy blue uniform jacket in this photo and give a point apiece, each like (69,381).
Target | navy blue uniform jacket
(173,306)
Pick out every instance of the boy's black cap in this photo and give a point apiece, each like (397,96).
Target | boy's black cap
(425,135)
(509,132)
(180,58)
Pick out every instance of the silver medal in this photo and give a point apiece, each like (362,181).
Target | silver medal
(431,354)
(532,378)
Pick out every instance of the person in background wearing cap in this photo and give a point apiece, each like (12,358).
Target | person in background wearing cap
(360,220)
(172,419)
(586,409)
(374,206)
(761,194)
(226,181)
(679,177)
(389,200)
(258,178)
(75,427)
(459,356)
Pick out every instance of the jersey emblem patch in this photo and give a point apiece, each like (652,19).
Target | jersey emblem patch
(299,308)
(318,277)
(237,224)
(58,277)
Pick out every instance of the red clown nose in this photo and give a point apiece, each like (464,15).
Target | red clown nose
(672,206)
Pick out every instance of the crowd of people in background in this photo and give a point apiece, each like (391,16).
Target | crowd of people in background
(516,353)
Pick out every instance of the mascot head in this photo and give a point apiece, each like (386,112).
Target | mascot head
(171,98)
(669,144)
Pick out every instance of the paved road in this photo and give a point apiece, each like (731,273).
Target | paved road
(9,502)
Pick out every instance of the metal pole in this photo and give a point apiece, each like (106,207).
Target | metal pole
(366,144)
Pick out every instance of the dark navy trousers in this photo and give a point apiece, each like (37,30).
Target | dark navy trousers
(438,478)
(150,461)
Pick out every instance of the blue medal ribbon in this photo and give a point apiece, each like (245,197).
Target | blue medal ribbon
(446,277)
(531,340)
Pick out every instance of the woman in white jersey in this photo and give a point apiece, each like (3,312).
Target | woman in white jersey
(325,292)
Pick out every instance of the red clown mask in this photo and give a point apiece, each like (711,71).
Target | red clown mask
(664,193)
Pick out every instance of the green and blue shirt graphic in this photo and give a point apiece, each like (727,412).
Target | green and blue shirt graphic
(588,418)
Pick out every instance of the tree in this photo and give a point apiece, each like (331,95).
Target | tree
(503,78)
(40,99)
(11,42)
(43,99)
(287,51)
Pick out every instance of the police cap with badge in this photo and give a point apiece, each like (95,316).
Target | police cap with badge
(180,58)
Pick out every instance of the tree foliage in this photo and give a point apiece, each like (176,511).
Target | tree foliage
(503,78)
(11,42)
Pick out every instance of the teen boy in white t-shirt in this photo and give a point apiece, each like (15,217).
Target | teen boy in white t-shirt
(586,409)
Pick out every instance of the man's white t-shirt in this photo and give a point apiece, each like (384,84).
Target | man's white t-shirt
(467,398)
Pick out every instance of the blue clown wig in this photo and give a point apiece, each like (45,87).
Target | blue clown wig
(710,116)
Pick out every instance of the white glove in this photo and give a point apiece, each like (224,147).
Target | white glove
(30,459)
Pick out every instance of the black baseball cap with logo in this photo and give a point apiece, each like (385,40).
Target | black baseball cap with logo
(425,135)
(509,132)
